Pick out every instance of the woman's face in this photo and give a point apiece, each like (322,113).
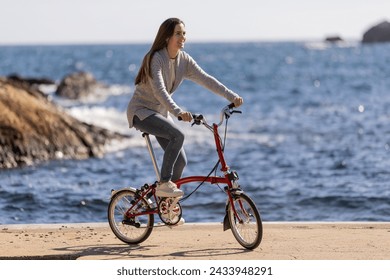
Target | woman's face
(176,41)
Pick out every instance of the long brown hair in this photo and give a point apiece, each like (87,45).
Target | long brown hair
(166,30)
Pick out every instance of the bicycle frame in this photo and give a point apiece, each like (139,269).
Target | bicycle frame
(227,179)
(211,179)
(190,179)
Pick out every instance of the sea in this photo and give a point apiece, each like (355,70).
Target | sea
(312,142)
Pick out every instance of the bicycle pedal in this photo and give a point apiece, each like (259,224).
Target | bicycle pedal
(130,222)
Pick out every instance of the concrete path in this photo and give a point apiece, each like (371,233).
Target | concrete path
(281,241)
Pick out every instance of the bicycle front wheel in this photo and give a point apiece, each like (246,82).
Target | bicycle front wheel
(245,221)
(129,230)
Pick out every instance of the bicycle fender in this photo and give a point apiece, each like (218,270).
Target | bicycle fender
(226,222)
(114,192)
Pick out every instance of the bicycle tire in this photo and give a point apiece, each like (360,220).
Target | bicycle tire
(249,232)
(130,231)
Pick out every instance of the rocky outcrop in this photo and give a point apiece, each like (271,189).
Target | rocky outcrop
(78,85)
(33,129)
(334,39)
(377,33)
(29,82)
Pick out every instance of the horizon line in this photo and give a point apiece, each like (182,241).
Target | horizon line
(141,42)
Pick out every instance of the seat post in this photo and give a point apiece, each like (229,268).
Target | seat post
(152,155)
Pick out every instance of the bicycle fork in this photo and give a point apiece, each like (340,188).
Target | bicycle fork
(230,200)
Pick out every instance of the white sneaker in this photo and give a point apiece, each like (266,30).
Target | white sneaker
(168,189)
(181,222)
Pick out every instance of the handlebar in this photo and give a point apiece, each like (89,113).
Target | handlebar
(226,112)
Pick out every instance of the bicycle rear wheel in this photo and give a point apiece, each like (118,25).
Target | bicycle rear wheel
(246,225)
(129,230)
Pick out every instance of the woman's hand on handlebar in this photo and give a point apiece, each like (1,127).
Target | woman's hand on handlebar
(185,116)
(238,101)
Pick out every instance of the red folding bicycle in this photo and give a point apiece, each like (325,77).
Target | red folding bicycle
(131,211)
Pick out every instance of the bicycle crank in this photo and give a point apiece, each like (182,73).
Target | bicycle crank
(169,210)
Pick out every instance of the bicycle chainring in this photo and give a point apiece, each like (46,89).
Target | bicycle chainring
(169,212)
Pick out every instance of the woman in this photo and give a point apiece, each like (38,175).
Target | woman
(163,69)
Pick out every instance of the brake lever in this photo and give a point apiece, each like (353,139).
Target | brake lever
(197,119)
(230,112)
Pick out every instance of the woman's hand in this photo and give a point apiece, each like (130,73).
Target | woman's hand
(238,101)
(185,116)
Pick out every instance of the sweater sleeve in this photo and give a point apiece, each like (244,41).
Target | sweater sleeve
(159,88)
(196,74)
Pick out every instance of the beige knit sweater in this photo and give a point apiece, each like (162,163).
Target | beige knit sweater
(154,97)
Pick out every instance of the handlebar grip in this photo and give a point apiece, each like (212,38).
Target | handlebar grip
(231,106)
(194,116)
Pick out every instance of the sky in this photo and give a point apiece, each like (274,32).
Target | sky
(137,21)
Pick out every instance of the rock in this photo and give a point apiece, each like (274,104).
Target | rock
(334,39)
(377,33)
(32,129)
(78,85)
(30,81)
(19,82)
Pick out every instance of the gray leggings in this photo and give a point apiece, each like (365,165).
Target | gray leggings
(171,139)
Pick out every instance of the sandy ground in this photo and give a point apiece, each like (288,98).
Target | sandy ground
(281,241)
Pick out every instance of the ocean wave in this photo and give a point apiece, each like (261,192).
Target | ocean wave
(322,45)
(109,118)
